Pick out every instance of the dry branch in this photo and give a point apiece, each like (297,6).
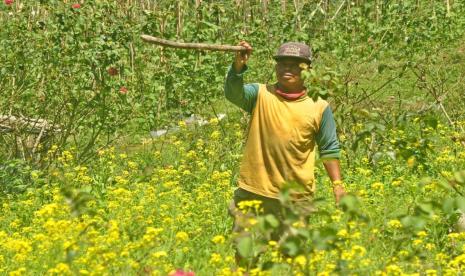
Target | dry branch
(195,46)
(11,123)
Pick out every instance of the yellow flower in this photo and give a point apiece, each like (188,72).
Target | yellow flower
(403,253)
(272,243)
(342,233)
(215,135)
(411,162)
(20,271)
(395,224)
(337,215)
(191,154)
(417,242)
(441,258)
(358,250)
(214,121)
(151,234)
(215,258)
(60,269)
(377,186)
(300,260)
(219,239)
(365,262)
(124,253)
(431,272)
(159,254)
(182,124)
(182,236)
(249,204)
(396,183)
(132,165)
(356,235)
(298,224)
(252,221)
(430,246)
(393,270)
(346,255)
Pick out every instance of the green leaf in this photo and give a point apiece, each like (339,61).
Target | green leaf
(245,247)
(460,203)
(370,127)
(445,185)
(415,222)
(426,208)
(305,74)
(271,220)
(460,177)
(381,68)
(431,122)
(291,246)
(448,205)
(267,265)
(349,203)
(322,238)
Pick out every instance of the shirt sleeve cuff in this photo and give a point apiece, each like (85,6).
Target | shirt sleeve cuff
(330,154)
(232,72)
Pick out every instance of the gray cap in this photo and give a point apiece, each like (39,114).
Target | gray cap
(296,50)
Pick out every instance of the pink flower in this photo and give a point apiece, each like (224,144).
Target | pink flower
(180,272)
(123,90)
(8,2)
(76,6)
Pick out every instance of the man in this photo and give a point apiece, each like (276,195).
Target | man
(285,128)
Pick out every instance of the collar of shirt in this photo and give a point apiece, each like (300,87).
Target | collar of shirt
(291,95)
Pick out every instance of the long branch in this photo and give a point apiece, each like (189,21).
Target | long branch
(196,46)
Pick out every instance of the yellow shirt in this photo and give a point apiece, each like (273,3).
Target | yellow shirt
(281,143)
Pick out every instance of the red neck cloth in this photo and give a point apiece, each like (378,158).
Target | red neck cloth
(292,96)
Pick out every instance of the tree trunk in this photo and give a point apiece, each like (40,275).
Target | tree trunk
(179,20)
(297,15)
(264,7)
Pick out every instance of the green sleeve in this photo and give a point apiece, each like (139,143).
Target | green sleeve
(244,96)
(326,137)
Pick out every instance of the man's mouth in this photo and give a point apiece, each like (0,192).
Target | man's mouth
(288,76)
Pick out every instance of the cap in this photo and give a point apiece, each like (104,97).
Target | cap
(296,50)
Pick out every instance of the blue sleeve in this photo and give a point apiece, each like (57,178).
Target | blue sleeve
(244,96)
(326,137)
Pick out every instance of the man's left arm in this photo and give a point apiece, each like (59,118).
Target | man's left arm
(330,152)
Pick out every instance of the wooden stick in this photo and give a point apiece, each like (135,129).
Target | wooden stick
(196,46)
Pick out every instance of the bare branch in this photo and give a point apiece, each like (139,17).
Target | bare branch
(10,122)
(195,46)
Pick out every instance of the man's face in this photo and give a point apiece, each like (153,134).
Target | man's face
(288,73)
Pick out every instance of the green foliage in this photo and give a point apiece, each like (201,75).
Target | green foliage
(392,70)
(16,176)
(86,70)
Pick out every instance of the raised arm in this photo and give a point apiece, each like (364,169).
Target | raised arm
(244,96)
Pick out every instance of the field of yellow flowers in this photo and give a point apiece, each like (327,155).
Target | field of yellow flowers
(94,194)
(161,208)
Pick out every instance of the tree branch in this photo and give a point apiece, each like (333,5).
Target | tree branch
(195,46)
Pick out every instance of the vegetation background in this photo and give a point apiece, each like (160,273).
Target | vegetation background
(80,93)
